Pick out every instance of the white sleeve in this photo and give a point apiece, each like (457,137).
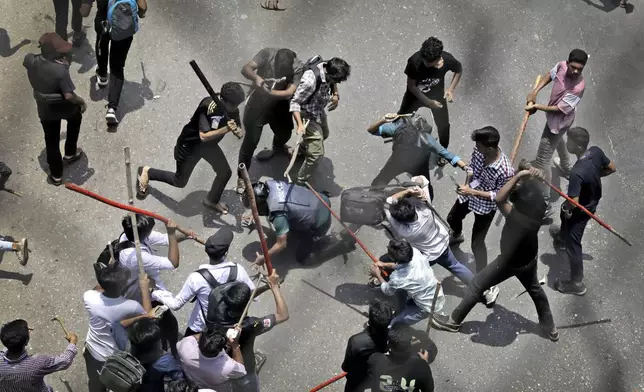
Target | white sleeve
(156,238)
(242,276)
(175,303)
(553,72)
(152,262)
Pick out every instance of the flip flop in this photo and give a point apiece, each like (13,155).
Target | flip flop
(141,192)
(271,5)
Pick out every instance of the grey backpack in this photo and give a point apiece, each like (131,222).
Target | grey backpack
(122,372)
(122,19)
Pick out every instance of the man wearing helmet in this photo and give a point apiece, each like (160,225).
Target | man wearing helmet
(291,208)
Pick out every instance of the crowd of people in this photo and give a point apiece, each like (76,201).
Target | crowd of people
(132,327)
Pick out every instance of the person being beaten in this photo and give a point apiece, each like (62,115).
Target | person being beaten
(198,140)
(524,213)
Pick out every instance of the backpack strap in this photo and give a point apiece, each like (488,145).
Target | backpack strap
(208,277)
(232,275)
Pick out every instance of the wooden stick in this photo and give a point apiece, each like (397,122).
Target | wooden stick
(252,296)
(295,151)
(526,116)
(258,223)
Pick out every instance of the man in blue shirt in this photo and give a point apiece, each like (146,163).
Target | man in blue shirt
(413,145)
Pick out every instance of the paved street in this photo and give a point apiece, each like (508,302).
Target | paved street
(502,45)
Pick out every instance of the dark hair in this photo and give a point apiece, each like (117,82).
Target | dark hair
(232,93)
(399,340)
(431,49)
(145,336)
(236,297)
(181,386)
(400,251)
(527,198)
(145,224)
(487,136)
(338,70)
(15,336)
(578,56)
(380,316)
(212,340)
(284,59)
(404,210)
(580,136)
(261,196)
(113,278)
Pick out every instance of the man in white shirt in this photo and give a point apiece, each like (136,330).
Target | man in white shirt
(412,274)
(196,285)
(411,218)
(106,305)
(205,362)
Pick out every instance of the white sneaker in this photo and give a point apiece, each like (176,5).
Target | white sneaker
(110,117)
(491,296)
(101,81)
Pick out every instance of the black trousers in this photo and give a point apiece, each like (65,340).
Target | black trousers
(479,230)
(256,115)
(572,230)
(398,164)
(497,272)
(411,104)
(93,366)
(306,241)
(189,332)
(169,330)
(114,52)
(52,141)
(186,160)
(61,8)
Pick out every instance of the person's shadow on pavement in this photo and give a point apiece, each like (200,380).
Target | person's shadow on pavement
(76,172)
(5,44)
(500,328)
(133,97)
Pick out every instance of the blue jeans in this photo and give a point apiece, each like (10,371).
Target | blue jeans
(6,246)
(410,315)
(448,261)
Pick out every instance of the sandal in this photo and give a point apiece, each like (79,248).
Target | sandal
(73,158)
(141,190)
(220,207)
(271,5)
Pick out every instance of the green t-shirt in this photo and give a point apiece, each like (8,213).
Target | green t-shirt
(280,221)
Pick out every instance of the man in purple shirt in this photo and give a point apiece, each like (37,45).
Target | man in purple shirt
(22,372)
(567,90)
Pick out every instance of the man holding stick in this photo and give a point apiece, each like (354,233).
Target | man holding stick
(200,140)
(567,90)
(584,187)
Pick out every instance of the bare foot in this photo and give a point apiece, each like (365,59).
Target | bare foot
(220,207)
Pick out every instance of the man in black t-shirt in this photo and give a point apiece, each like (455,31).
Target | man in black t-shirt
(400,370)
(362,345)
(519,250)
(198,140)
(584,187)
(425,72)
(53,90)
(269,107)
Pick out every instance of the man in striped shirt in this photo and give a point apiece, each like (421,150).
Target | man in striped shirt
(22,372)
(491,169)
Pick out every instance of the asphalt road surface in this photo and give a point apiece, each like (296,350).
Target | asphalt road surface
(503,46)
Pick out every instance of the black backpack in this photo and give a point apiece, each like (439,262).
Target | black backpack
(212,315)
(312,64)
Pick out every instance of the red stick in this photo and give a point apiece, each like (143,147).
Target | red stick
(329,382)
(590,214)
(128,207)
(258,223)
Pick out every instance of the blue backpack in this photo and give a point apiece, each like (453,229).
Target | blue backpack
(122,18)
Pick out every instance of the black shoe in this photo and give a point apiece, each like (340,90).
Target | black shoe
(553,335)
(570,287)
(444,323)
(79,154)
(54,181)
(78,38)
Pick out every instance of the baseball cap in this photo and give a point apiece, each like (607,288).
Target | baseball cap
(217,244)
(53,44)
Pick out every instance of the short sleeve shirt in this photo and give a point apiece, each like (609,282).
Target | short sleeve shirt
(566,94)
(252,328)
(410,374)
(207,117)
(431,80)
(50,77)
(585,178)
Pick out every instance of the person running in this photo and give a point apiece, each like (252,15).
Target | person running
(199,140)
(362,345)
(269,107)
(522,203)
(412,148)
(317,89)
(584,187)
(491,169)
(567,90)
(425,72)
(113,50)
(53,91)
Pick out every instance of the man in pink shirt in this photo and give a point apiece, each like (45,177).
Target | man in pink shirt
(205,362)
(567,90)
